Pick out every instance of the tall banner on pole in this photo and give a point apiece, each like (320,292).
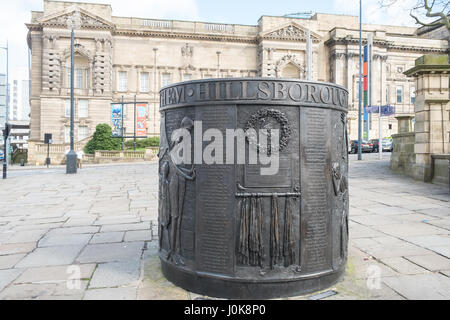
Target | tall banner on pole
(365,90)
(367,83)
(141,120)
(116,120)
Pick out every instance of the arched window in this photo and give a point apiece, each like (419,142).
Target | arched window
(290,71)
(81,75)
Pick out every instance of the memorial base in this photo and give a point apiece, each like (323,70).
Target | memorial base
(235,288)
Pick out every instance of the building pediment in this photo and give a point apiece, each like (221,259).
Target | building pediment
(78,50)
(87,19)
(291,31)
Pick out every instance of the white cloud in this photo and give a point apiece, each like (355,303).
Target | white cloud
(13,16)
(396,14)
(15,13)
(158,9)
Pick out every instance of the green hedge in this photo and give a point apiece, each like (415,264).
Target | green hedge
(143,143)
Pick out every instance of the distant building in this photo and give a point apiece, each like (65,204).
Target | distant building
(19,112)
(19,137)
(14,102)
(25,103)
(20,100)
(115,57)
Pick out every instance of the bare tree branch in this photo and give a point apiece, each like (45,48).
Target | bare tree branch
(428,7)
(434,24)
(444,16)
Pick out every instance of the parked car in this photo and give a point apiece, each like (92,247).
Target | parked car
(366,146)
(1,156)
(388,145)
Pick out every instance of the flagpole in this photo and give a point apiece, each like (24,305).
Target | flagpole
(380,135)
(309,54)
(360,82)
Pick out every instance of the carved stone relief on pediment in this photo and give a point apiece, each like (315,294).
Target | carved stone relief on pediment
(87,20)
(291,32)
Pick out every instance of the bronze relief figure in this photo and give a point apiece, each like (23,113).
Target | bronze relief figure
(173,189)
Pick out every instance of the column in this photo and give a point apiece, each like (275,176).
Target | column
(432,109)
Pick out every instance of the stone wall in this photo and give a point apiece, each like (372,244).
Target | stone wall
(441,172)
(37,152)
(403,158)
(414,151)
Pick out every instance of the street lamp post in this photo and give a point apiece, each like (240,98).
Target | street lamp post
(360,83)
(6,144)
(73,22)
(309,55)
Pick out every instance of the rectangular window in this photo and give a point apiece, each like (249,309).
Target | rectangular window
(387,95)
(83,108)
(83,133)
(187,77)
(122,81)
(400,94)
(87,78)
(67,108)
(413,95)
(356,92)
(66,134)
(78,79)
(165,79)
(145,81)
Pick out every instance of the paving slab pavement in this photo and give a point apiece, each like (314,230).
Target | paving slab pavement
(93,236)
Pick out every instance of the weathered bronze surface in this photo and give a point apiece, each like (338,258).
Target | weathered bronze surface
(228,231)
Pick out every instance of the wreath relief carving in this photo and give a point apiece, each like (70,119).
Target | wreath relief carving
(268,119)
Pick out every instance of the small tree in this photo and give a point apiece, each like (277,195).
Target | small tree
(102,140)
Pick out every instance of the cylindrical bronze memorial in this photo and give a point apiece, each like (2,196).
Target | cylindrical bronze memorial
(231,227)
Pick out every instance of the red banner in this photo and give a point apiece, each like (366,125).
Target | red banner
(141,120)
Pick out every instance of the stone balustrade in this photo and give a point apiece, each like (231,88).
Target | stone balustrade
(57,154)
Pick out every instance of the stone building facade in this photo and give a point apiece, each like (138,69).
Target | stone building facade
(122,57)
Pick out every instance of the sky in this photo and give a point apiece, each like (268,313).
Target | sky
(14,15)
